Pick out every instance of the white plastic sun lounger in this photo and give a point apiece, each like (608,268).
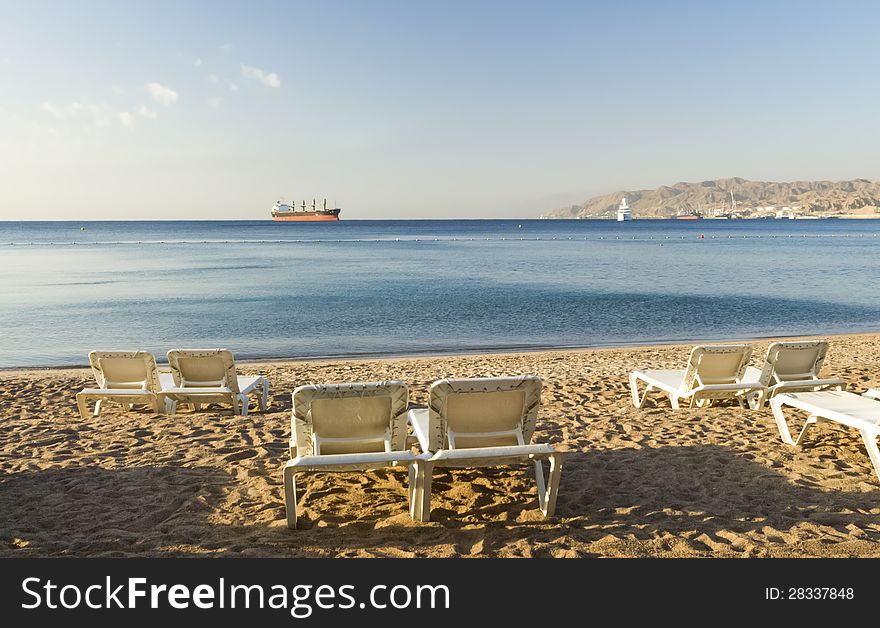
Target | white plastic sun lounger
(127,377)
(859,411)
(793,367)
(713,372)
(203,376)
(347,427)
(482,422)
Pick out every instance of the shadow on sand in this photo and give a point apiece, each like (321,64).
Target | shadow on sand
(93,511)
(629,493)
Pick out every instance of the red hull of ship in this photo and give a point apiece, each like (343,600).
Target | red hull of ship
(302,218)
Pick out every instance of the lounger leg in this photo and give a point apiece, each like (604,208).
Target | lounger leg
(539,482)
(776,407)
(166,404)
(752,401)
(547,494)
(412,490)
(423,499)
(638,401)
(245,402)
(157,407)
(756,399)
(97,408)
(264,395)
(83,406)
(553,488)
(290,497)
(811,420)
(673,400)
(873,452)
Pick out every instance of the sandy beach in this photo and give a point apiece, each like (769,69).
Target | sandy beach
(714,482)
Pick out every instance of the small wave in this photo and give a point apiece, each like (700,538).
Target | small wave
(81,283)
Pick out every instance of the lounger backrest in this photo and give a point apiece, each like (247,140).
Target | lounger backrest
(125,369)
(350,418)
(716,364)
(203,368)
(483,412)
(793,361)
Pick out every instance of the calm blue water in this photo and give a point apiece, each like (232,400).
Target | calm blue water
(389,287)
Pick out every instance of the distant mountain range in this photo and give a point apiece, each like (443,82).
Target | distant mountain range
(858,196)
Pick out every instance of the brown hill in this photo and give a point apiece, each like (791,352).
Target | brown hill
(821,197)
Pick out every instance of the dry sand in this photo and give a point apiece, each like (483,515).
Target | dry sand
(651,482)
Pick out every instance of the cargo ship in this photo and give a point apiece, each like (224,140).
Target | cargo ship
(689,215)
(282,211)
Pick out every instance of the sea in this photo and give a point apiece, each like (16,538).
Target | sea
(386,288)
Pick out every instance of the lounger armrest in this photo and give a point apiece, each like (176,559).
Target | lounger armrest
(745,386)
(808,384)
(116,392)
(353,460)
(210,390)
(512,451)
(418,418)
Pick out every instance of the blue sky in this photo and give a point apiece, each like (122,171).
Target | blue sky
(421,109)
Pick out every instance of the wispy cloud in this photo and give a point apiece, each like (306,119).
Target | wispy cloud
(163,95)
(197,62)
(213,79)
(214,103)
(126,118)
(100,115)
(145,112)
(269,79)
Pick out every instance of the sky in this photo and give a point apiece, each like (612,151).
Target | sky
(430,109)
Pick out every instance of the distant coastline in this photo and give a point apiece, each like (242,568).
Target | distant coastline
(875,215)
(738,198)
